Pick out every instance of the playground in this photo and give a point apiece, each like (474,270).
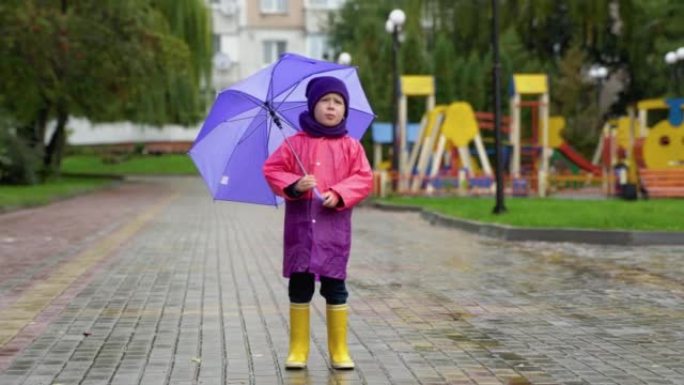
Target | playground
(451,150)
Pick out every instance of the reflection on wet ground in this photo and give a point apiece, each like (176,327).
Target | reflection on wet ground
(196,297)
(548,313)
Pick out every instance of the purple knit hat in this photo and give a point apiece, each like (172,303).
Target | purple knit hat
(320,86)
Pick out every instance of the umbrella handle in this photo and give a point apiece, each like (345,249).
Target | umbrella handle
(317,193)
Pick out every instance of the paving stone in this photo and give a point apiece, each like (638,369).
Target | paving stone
(196,294)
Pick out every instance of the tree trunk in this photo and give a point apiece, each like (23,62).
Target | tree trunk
(53,152)
(33,133)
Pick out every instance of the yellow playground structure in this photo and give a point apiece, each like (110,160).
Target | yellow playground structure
(411,85)
(454,126)
(522,86)
(640,152)
(659,148)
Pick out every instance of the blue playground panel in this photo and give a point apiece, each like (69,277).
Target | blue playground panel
(675,116)
(442,183)
(520,188)
(382,132)
(483,182)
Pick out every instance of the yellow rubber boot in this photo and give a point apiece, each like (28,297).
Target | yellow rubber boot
(337,337)
(299,336)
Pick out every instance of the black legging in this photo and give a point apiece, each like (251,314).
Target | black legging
(302,286)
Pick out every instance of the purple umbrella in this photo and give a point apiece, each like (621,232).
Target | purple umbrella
(250,119)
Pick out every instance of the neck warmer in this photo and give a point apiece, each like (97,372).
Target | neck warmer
(315,129)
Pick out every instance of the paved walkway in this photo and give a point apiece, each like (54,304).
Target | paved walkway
(152,283)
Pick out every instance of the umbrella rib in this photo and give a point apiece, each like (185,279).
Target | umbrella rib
(283,117)
(257,102)
(240,119)
(270,83)
(288,109)
(361,112)
(263,108)
(288,95)
(292,88)
(245,137)
(250,98)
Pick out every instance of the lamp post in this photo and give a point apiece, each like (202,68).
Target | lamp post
(393,25)
(674,59)
(500,207)
(598,73)
(344,58)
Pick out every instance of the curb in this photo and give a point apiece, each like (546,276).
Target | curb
(509,233)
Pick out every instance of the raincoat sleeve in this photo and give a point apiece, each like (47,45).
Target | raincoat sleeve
(278,171)
(359,183)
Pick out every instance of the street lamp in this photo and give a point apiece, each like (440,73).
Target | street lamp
(500,206)
(598,73)
(671,57)
(674,58)
(344,58)
(393,25)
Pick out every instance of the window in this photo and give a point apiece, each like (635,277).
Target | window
(317,47)
(326,4)
(273,49)
(273,6)
(216,42)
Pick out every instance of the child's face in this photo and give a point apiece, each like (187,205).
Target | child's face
(329,110)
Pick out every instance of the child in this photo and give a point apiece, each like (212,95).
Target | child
(318,209)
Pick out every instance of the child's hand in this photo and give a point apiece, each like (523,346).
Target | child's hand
(306,183)
(330,199)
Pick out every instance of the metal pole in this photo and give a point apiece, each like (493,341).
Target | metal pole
(396,135)
(496,74)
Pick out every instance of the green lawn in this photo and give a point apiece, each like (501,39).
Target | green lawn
(168,164)
(664,215)
(25,196)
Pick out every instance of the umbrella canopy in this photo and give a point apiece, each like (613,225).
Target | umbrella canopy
(250,119)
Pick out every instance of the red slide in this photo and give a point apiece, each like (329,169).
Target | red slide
(577,158)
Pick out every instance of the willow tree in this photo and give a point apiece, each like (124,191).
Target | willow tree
(188,20)
(103,60)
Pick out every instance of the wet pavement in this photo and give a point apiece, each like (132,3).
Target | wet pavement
(153,283)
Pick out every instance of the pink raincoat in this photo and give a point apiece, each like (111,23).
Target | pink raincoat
(317,239)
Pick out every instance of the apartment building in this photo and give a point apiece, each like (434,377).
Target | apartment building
(250,34)
(247,35)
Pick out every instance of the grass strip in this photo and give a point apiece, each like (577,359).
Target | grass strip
(166,164)
(14,197)
(650,215)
